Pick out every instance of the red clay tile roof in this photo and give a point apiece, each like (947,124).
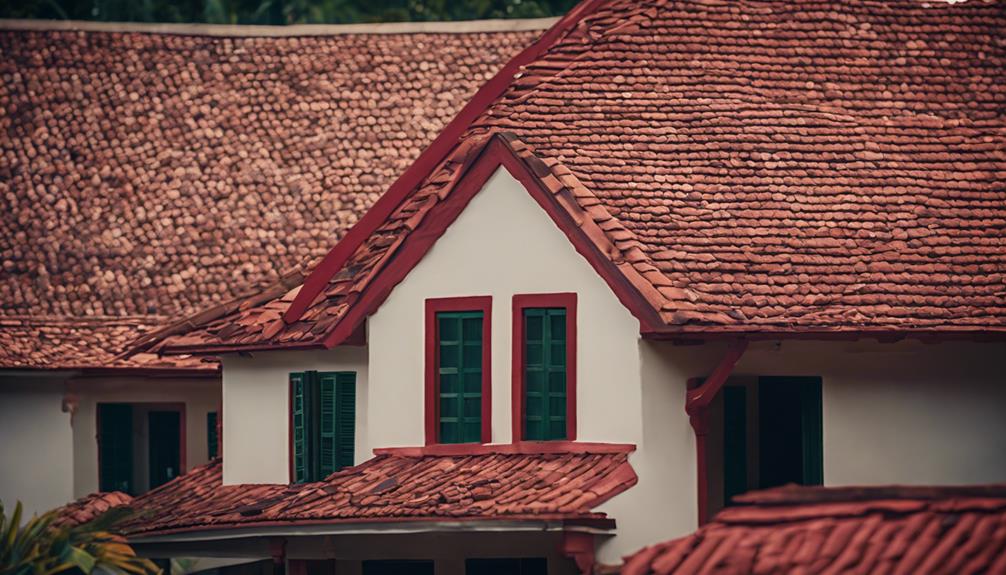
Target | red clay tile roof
(82,343)
(147,176)
(936,531)
(396,487)
(812,166)
(90,507)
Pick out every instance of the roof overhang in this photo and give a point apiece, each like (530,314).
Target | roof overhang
(557,524)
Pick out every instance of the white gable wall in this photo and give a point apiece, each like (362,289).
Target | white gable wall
(503,244)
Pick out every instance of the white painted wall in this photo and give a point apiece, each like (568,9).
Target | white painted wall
(256,393)
(200,396)
(36,444)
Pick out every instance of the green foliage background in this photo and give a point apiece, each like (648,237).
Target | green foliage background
(280,11)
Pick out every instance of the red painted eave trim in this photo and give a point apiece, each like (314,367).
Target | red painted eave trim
(431,157)
(519,448)
(700,334)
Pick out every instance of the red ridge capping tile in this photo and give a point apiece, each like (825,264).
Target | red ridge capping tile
(504,484)
(887,529)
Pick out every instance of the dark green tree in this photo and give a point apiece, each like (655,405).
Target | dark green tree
(281,11)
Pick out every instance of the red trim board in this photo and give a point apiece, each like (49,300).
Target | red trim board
(431,157)
(554,300)
(432,410)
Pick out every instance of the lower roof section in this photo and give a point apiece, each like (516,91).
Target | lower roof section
(482,489)
(933,530)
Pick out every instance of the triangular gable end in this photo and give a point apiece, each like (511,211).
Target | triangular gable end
(627,283)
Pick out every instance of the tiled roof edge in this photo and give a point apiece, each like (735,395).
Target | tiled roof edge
(257,31)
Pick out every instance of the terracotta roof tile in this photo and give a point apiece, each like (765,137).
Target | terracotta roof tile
(395,486)
(939,530)
(150,176)
(90,507)
(82,343)
(813,166)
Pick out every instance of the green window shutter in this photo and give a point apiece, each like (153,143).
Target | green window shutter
(459,373)
(345,420)
(544,374)
(324,423)
(299,427)
(212,442)
(115,446)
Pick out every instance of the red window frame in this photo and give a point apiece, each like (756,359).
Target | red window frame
(521,301)
(471,303)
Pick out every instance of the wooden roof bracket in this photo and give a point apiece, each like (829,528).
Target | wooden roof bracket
(700,395)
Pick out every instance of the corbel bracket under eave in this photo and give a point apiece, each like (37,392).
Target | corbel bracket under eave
(699,397)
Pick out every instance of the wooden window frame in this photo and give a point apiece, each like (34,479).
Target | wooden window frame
(432,353)
(548,300)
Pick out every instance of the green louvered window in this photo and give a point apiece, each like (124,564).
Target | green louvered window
(115,447)
(459,376)
(545,374)
(323,423)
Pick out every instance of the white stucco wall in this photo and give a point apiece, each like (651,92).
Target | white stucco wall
(904,413)
(256,393)
(36,444)
(200,396)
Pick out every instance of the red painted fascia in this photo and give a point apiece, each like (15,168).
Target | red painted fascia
(554,300)
(431,157)
(700,334)
(432,403)
(518,448)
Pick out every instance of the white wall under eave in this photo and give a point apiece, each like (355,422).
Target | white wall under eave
(36,444)
(256,391)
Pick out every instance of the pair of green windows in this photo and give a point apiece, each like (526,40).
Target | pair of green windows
(459,375)
(323,423)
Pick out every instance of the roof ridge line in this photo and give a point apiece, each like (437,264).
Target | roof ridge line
(430,159)
(273,31)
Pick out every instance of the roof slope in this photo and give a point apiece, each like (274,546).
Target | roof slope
(944,530)
(146,176)
(758,167)
(396,487)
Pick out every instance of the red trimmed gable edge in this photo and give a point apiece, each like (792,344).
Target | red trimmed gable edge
(427,162)
(496,153)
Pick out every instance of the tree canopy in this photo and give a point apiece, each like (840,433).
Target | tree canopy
(280,11)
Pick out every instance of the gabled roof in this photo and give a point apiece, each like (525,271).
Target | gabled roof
(148,176)
(811,168)
(932,530)
(398,485)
